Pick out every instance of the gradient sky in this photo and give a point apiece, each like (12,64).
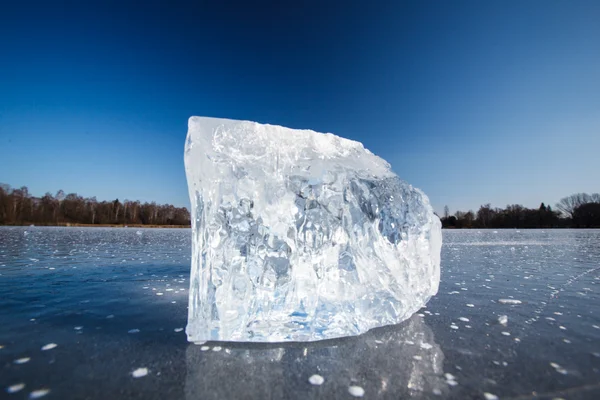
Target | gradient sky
(473,102)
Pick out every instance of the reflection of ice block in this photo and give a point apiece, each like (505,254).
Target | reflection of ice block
(301,236)
(397,362)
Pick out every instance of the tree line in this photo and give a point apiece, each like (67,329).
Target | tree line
(579,210)
(18,207)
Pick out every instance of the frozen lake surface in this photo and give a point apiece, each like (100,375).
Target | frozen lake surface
(98,313)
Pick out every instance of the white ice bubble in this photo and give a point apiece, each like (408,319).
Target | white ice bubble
(216,348)
(204,348)
(356,391)
(36,394)
(558,368)
(450,379)
(133,331)
(49,346)
(22,360)
(140,372)
(449,376)
(464,319)
(178,329)
(509,301)
(15,388)
(503,320)
(490,396)
(316,380)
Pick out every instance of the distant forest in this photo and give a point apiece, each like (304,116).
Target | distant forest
(18,207)
(579,210)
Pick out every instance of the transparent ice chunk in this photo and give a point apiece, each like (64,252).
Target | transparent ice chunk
(301,236)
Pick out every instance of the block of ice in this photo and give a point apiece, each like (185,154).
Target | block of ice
(301,236)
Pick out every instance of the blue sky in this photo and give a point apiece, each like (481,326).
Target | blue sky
(473,102)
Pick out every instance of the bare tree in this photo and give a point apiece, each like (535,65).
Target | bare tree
(446,212)
(93,204)
(567,205)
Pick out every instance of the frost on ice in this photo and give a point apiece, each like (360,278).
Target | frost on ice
(301,236)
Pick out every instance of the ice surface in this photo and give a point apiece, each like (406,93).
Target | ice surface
(300,236)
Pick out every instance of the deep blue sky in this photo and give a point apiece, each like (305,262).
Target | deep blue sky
(473,102)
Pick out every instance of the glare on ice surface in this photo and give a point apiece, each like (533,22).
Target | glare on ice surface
(301,236)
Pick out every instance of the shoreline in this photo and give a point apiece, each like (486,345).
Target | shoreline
(77,225)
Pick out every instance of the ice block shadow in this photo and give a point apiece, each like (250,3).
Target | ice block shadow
(395,361)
